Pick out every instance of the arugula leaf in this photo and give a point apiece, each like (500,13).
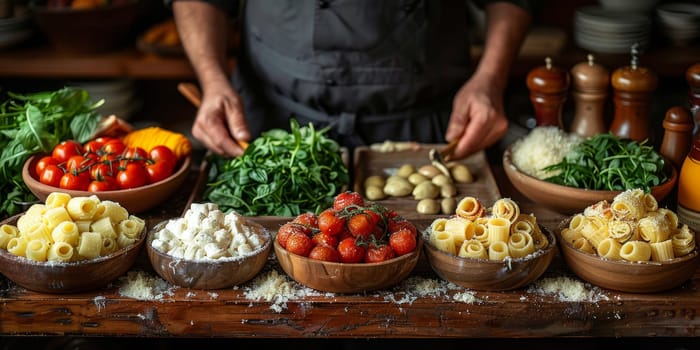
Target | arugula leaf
(281,174)
(606,162)
(37,122)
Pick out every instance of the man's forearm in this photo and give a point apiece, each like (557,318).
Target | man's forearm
(202,29)
(506,28)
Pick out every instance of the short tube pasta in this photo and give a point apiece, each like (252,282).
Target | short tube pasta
(60,251)
(7,232)
(82,208)
(506,208)
(443,241)
(67,232)
(683,241)
(470,208)
(584,245)
(610,249)
(37,250)
(498,251)
(473,249)
(461,229)
(57,199)
(636,251)
(499,230)
(662,251)
(90,245)
(520,245)
(17,246)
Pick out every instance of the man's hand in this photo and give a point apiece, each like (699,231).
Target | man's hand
(220,124)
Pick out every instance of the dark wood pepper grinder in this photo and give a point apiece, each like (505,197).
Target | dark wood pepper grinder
(590,83)
(692,75)
(678,135)
(548,88)
(633,86)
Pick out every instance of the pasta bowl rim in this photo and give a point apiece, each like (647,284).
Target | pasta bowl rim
(96,273)
(41,190)
(573,250)
(231,271)
(331,279)
(536,189)
(533,256)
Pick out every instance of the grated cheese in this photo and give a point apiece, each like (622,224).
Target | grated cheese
(542,147)
(567,289)
(141,285)
(277,289)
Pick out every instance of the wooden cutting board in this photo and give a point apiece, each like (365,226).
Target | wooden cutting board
(371,162)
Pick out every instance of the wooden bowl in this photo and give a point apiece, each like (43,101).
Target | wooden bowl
(347,278)
(571,200)
(135,200)
(212,274)
(72,277)
(491,275)
(625,276)
(87,31)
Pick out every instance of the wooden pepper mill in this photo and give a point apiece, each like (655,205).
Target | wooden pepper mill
(633,86)
(590,89)
(678,135)
(548,88)
(692,75)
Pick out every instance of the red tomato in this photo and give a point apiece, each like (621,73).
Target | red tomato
(287,230)
(379,253)
(308,219)
(347,198)
(51,175)
(299,244)
(324,253)
(162,153)
(99,170)
(330,223)
(403,241)
(135,154)
(108,183)
(104,139)
(363,224)
(323,238)
(93,146)
(75,181)
(114,146)
(133,175)
(395,226)
(43,163)
(78,163)
(350,252)
(66,149)
(158,171)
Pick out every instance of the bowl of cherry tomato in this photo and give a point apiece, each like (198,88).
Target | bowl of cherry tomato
(131,176)
(352,247)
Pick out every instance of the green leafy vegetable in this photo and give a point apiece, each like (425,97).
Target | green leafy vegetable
(281,174)
(35,123)
(606,162)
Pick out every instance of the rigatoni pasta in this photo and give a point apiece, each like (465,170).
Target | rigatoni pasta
(638,230)
(504,234)
(69,229)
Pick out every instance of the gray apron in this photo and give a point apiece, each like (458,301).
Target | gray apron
(374,70)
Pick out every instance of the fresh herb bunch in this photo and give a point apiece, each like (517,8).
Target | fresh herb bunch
(280,174)
(606,162)
(35,123)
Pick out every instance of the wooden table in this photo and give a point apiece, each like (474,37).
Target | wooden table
(228,313)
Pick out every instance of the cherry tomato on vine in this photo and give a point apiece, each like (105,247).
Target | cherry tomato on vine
(330,223)
(73,180)
(66,149)
(101,169)
(78,163)
(114,146)
(347,198)
(379,253)
(107,183)
(93,146)
(162,153)
(43,163)
(403,241)
(158,171)
(350,252)
(51,175)
(135,155)
(133,175)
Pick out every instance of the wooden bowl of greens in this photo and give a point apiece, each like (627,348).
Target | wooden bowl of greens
(640,167)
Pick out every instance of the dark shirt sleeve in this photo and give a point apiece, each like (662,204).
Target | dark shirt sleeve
(525,4)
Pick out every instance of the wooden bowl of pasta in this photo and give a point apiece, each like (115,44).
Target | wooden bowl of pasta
(504,251)
(204,263)
(649,254)
(135,200)
(78,255)
(570,200)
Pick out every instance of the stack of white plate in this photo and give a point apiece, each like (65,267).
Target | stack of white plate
(119,95)
(605,31)
(679,22)
(16,29)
